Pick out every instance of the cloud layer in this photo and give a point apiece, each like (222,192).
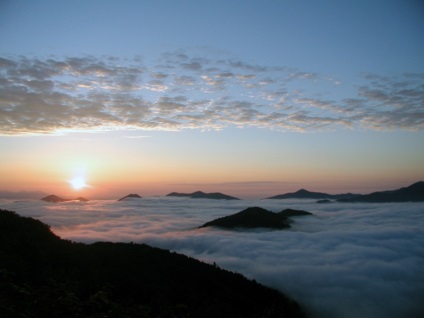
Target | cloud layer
(349,260)
(181,91)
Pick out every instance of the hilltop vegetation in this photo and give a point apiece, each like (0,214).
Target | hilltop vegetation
(42,275)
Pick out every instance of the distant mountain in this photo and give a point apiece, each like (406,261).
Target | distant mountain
(305,194)
(81,199)
(256,217)
(292,212)
(45,276)
(203,195)
(130,196)
(55,199)
(412,193)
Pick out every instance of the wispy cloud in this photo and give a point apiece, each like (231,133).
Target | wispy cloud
(179,91)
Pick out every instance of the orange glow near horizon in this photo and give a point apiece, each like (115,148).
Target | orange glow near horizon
(110,166)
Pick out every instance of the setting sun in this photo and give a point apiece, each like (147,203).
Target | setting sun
(78,183)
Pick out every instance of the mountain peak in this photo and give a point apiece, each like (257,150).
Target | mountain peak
(203,195)
(416,185)
(412,193)
(130,196)
(56,199)
(253,217)
(302,191)
(53,198)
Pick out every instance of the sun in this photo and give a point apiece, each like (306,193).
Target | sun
(78,183)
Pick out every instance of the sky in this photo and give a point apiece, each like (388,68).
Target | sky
(347,260)
(250,98)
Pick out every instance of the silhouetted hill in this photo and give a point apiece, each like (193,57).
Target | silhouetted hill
(251,218)
(42,275)
(203,195)
(305,194)
(413,193)
(81,199)
(256,217)
(292,212)
(55,199)
(132,195)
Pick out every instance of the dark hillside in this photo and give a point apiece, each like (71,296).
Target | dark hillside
(42,275)
(254,217)
(412,193)
(130,196)
(203,195)
(305,194)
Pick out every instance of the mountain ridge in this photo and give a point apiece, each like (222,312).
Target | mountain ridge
(56,199)
(411,193)
(305,194)
(203,195)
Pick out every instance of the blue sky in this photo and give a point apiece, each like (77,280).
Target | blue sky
(250,97)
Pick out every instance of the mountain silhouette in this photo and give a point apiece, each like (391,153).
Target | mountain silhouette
(412,193)
(55,199)
(305,194)
(256,217)
(130,196)
(42,275)
(203,195)
(292,212)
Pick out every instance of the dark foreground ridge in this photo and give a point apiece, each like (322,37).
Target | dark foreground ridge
(55,199)
(256,217)
(412,193)
(203,195)
(42,275)
(130,196)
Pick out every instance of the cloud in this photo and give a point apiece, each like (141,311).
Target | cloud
(53,95)
(349,260)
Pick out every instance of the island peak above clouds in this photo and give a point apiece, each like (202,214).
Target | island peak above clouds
(256,217)
(305,194)
(203,195)
(130,196)
(56,199)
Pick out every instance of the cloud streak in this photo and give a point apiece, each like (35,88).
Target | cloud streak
(179,91)
(349,260)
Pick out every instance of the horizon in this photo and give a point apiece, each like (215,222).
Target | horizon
(249,99)
(37,195)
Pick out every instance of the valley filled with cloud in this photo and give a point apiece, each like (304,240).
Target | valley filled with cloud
(347,260)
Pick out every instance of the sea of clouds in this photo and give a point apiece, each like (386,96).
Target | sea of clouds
(348,260)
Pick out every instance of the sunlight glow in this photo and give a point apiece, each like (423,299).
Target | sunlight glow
(78,183)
